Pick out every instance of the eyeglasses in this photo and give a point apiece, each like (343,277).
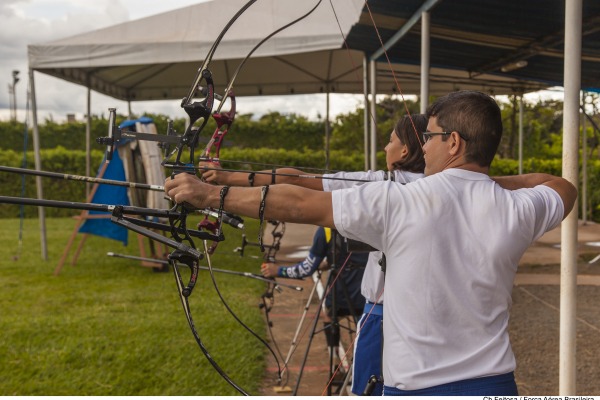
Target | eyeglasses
(427,135)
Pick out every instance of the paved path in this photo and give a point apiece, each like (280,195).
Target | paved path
(547,249)
(292,316)
(545,255)
(554,279)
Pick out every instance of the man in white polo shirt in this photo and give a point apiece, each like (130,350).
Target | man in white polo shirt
(452,241)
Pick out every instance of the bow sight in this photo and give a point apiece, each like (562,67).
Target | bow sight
(199,112)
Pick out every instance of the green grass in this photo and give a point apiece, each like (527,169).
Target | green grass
(108,326)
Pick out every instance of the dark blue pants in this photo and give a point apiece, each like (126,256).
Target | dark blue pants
(367,356)
(497,385)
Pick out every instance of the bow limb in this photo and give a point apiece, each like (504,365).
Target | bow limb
(186,308)
(267,297)
(202,110)
(216,286)
(207,60)
(235,74)
(177,257)
(226,119)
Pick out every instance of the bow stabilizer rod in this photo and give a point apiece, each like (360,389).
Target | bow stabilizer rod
(81,178)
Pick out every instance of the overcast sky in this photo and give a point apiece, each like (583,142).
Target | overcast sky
(24,22)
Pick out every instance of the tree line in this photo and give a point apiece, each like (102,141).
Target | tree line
(293,139)
(542,123)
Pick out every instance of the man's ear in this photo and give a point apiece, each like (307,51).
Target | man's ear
(457,144)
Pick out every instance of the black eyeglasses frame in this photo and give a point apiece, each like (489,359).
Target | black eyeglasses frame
(427,135)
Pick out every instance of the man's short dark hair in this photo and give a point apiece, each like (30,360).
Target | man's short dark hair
(478,119)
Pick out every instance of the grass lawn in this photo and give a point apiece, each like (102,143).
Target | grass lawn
(108,326)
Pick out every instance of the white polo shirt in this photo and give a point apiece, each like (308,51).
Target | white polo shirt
(453,241)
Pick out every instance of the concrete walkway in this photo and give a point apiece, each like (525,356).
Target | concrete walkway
(545,255)
(554,279)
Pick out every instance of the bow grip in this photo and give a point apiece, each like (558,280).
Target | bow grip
(201,109)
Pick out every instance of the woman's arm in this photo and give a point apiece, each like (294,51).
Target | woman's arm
(290,176)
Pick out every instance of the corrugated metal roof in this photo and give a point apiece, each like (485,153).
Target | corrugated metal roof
(480,37)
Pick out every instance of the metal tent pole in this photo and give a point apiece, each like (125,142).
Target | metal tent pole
(568,259)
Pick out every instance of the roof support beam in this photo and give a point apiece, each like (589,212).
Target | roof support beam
(547,43)
(428,5)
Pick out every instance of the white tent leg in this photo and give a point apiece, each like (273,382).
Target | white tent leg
(425,59)
(521,135)
(327,130)
(366,110)
(373,73)
(38,167)
(584,177)
(88,135)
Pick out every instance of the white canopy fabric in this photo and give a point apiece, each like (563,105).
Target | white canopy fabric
(157,57)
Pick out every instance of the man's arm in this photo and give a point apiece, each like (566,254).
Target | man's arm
(282,202)
(564,188)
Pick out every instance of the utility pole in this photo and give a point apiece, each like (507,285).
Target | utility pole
(13,95)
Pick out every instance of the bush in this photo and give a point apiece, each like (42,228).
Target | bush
(73,162)
(56,160)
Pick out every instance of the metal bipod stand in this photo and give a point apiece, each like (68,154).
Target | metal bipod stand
(334,325)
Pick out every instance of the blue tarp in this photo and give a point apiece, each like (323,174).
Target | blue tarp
(110,194)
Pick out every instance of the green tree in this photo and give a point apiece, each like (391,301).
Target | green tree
(275,130)
(348,131)
(542,128)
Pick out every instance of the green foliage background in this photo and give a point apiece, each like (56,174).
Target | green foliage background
(292,140)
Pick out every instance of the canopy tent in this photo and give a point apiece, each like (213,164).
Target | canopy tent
(156,58)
